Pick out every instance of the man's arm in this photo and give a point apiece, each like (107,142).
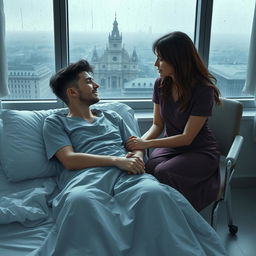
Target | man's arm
(75,161)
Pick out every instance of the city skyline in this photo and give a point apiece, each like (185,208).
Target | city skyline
(38,48)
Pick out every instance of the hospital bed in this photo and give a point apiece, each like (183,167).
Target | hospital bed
(28,183)
(27,178)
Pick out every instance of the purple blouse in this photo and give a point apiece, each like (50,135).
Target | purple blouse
(201,104)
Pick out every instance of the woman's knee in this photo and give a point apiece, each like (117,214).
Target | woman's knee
(152,164)
(161,172)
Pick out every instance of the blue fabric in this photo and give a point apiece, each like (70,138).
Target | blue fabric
(17,240)
(106,211)
(28,206)
(102,136)
(124,111)
(113,213)
(22,148)
(25,201)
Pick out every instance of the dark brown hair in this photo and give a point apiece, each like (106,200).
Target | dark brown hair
(177,49)
(68,77)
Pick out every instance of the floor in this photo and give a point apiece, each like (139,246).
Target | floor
(244,210)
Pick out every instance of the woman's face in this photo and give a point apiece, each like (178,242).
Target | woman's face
(164,68)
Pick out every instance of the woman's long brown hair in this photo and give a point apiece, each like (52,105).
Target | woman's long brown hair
(178,50)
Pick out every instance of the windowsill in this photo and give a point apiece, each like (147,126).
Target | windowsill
(143,107)
(249,113)
(144,116)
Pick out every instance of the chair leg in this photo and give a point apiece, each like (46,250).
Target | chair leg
(232,228)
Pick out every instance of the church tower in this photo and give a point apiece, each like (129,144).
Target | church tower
(115,38)
(115,67)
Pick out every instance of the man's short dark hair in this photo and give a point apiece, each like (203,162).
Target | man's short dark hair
(68,77)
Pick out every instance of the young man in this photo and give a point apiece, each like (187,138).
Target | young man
(75,86)
(108,205)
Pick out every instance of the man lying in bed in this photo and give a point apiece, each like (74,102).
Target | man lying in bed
(108,205)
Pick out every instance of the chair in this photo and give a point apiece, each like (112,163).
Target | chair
(225,123)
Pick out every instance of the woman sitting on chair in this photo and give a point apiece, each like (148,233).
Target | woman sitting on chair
(187,157)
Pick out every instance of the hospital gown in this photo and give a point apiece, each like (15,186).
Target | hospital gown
(106,211)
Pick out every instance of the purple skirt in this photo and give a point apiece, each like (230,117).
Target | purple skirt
(194,174)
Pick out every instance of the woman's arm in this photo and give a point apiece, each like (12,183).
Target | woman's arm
(154,131)
(192,128)
(157,127)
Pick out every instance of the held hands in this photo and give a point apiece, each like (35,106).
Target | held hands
(135,143)
(131,163)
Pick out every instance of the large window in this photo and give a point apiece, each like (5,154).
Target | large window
(230,38)
(30,48)
(116,38)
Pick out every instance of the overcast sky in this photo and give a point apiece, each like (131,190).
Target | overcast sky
(132,15)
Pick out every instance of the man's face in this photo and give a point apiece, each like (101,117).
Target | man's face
(88,89)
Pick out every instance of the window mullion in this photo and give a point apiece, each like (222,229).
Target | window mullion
(203,28)
(60,14)
(60,33)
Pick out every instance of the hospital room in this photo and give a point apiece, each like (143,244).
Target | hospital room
(127,128)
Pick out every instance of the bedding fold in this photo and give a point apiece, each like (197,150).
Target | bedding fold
(29,207)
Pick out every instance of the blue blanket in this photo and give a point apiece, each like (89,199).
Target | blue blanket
(136,215)
(28,205)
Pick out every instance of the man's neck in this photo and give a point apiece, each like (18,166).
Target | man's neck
(83,112)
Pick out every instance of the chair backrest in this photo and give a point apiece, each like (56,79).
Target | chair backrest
(225,123)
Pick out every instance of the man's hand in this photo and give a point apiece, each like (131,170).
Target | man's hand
(131,163)
(137,153)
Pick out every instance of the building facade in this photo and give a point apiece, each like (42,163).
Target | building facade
(28,81)
(115,67)
(230,79)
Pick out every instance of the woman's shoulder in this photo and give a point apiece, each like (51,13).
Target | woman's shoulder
(203,89)
(157,82)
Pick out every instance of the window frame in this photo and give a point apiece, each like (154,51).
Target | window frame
(202,34)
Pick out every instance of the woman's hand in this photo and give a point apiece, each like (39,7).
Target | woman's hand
(135,143)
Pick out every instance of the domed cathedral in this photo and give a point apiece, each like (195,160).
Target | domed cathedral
(115,67)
